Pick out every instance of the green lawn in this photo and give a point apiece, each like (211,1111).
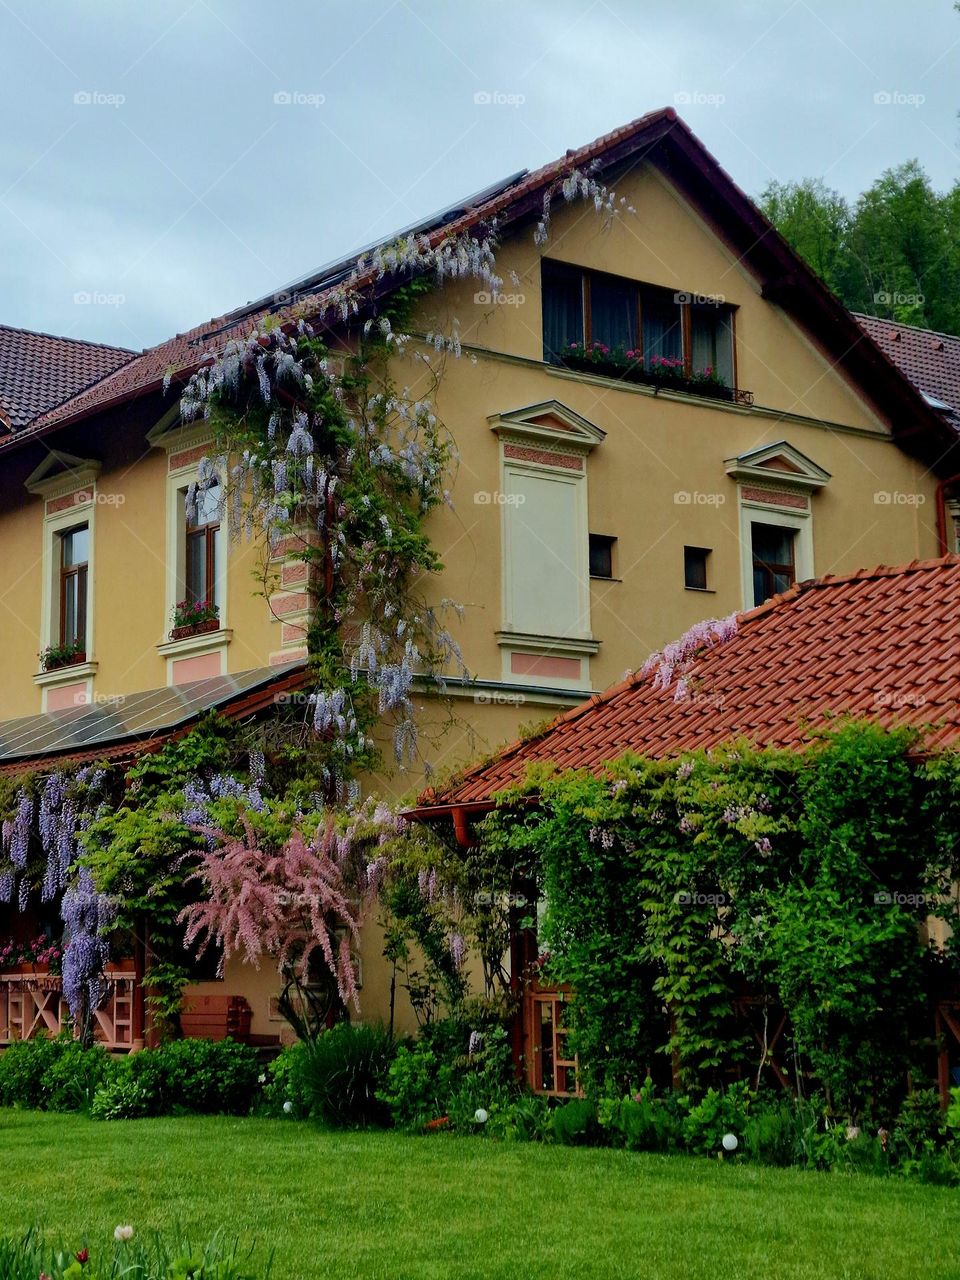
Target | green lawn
(385,1205)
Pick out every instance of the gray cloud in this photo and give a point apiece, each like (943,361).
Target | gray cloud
(200,189)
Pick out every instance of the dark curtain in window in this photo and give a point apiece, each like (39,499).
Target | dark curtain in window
(613,312)
(712,332)
(662,325)
(562,309)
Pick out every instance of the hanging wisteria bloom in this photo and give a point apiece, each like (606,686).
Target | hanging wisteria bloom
(87,916)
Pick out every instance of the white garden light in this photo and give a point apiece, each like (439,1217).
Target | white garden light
(730,1142)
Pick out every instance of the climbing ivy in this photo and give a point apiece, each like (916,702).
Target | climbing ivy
(802,878)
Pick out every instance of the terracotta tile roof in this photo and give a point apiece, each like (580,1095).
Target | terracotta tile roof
(882,644)
(39,371)
(663,137)
(929,359)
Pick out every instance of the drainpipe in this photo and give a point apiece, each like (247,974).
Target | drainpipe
(941,502)
(461,829)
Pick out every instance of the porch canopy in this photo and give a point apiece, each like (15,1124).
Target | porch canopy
(881,644)
(123,728)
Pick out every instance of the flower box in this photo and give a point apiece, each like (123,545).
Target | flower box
(51,660)
(195,629)
(662,377)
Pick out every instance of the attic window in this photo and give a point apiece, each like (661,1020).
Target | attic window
(592,309)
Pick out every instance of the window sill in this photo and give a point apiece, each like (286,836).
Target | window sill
(738,399)
(200,643)
(547,644)
(604,577)
(65,675)
(701,591)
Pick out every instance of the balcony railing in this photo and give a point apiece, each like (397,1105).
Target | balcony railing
(32,1004)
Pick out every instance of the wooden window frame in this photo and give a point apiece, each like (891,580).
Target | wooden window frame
(686,317)
(207,532)
(80,573)
(770,571)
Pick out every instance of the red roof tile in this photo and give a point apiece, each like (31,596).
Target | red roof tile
(663,137)
(929,359)
(39,371)
(882,644)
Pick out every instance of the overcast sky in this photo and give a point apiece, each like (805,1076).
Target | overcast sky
(174,159)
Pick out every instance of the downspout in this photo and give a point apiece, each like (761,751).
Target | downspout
(461,828)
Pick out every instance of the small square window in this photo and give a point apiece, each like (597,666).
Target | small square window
(601,555)
(695,568)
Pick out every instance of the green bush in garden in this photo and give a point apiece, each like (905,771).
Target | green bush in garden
(342,1073)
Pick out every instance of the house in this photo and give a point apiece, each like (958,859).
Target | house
(756,437)
(880,644)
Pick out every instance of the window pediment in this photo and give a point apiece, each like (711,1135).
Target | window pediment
(549,420)
(61,473)
(780,464)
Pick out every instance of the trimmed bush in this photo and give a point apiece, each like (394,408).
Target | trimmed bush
(202,1076)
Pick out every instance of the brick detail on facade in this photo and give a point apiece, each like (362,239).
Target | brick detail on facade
(288,655)
(547,457)
(293,632)
(187,457)
(776,498)
(294,573)
(78,499)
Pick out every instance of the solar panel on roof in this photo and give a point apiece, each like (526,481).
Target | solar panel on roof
(134,716)
(332,273)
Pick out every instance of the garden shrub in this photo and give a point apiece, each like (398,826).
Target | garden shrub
(343,1072)
(202,1076)
(72,1078)
(22,1068)
(284,1083)
(575,1123)
(418,1086)
(643,1122)
(715,1115)
(770,1132)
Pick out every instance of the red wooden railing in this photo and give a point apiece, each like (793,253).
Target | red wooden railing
(33,1004)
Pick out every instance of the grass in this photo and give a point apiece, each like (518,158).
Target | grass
(378,1205)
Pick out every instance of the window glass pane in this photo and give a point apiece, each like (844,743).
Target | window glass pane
(196,568)
(75,546)
(773,544)
(773,560)
(662,325)
(712,334)
(208,507)
(613,312)
(562,308)
(69,627)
